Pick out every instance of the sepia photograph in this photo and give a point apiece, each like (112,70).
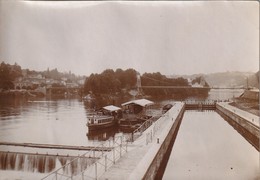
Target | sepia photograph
(129,90)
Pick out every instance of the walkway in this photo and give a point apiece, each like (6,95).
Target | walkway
(251,118)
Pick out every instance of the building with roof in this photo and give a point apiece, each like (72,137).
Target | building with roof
(136,106)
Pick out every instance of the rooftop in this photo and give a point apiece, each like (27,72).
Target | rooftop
(140,102)
(111,108)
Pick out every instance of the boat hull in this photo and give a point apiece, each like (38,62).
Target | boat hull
(127,125)
(101,126)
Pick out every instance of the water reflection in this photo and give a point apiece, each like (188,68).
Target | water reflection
(207,147)
(10,107)
(103,135)
(43,121)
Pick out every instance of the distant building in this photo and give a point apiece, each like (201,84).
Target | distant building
(196,85)
(72,85)
(29,81)
(81,81)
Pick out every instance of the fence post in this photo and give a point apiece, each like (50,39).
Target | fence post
(96,171)
(114,161)
(82,175)
(126,146)
(102,149)
(120,149)
(105,162)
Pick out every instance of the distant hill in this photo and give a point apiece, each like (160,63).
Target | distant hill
(228,79)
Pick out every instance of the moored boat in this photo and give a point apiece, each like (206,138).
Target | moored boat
(134,114)
(131,124)
(106,117)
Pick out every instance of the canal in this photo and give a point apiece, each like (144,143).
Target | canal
(207,147)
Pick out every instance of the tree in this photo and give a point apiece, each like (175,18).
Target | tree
(8,73)
(110,81)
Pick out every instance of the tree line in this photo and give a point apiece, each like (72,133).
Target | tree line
(110,81)
(157,79)
(107,82)
(120,81)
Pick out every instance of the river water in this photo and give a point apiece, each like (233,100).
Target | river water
(41,121)
(202,139)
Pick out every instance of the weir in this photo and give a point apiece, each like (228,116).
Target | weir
(45,158)
(41,163)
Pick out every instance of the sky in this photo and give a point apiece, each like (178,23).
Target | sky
(168,37)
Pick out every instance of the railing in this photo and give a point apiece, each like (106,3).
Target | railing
(156,121)
(92,171)
(139,131)
(103,164)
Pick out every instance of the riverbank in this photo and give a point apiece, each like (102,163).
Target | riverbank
(21,93)
(251,106)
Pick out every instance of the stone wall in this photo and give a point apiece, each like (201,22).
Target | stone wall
(155,166)
(245,128)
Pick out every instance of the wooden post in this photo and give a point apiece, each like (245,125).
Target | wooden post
(120,148)
(82,177)
(105,162)
(96,171)
(114,161)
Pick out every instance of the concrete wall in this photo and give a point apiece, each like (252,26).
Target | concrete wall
(155,166)
(241,121)
(248,130)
